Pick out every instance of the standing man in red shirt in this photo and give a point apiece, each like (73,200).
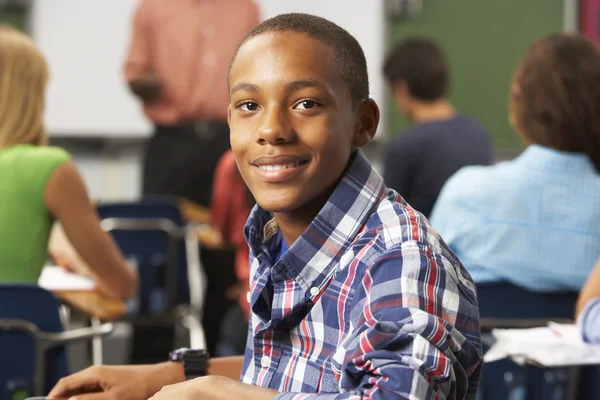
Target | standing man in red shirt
(177,66)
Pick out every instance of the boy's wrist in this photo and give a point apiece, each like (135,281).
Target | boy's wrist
(173,370)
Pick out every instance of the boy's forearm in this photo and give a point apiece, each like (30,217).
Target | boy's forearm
(230,367)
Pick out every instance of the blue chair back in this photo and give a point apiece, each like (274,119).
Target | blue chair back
(504,379)
(18,349)
(160,258)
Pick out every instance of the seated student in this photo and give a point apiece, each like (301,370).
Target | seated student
(441,140)
(533,221)
(353,295)
(39,183)
(588,307)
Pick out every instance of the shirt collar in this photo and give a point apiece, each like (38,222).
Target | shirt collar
(549,159)
(312,259)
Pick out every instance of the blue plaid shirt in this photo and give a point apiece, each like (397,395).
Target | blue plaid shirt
(369,303)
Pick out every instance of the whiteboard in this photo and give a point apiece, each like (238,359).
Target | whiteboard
(86,41)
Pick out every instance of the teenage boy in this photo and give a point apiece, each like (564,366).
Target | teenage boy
(353,295)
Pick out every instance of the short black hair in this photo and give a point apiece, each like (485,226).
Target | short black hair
(422,65)
(348,54)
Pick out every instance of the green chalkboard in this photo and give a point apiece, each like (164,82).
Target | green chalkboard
(483,40)
(14,16)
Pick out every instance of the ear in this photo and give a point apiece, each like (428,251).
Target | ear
(515,89)
(400,89)
(367,123)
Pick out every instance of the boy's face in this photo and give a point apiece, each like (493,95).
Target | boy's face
(293,124)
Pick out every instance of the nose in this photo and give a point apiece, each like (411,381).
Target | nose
(274,127)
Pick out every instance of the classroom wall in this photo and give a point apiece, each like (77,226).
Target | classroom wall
(112,168)
(483,42)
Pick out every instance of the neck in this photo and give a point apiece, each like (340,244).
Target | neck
(293,224)
(438,110)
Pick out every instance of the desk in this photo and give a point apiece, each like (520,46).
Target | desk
(194,212)
(93,304)
(80,293)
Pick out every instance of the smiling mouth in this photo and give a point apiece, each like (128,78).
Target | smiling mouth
(280,167)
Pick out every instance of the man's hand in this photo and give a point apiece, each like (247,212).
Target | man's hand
(123,382)
(214,388)
(146,87)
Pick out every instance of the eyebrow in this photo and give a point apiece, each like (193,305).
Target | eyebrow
(301,84)
(289,87)
(248,87)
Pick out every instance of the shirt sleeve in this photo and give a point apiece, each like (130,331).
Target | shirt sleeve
(589,321)
(222,208)
(138,58)
(419,334)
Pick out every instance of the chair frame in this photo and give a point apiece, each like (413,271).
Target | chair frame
(45,341)
(189,315)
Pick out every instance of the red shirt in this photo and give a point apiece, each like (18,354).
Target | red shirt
(229,211)
(188,44)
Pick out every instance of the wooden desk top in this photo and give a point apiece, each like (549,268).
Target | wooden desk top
(194,212)
(93,304)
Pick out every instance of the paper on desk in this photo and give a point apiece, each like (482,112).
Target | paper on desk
(57,279)
(552,346)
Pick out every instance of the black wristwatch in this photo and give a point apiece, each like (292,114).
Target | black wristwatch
(195,362)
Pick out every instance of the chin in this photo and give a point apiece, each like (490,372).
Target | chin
(278,204)
(274,206)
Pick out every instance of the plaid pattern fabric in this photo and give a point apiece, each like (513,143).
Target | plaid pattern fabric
(368,303)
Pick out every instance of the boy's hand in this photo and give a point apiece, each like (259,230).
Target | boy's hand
(123,382)
(146,87)
(214,388)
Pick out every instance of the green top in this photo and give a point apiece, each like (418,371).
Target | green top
(25,222)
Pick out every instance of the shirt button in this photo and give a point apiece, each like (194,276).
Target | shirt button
(314,291)
(265,361)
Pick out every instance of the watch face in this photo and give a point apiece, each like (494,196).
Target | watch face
(185,353)
(177,355)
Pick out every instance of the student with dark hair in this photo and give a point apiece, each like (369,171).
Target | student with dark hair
(352,294)
(440,141)
(534,221)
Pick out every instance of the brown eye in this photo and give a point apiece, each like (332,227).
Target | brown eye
(249,106)
(307,104)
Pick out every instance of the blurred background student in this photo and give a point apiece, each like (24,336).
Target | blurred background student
(177,66)
(534,221)
(39,184)
(441,140)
